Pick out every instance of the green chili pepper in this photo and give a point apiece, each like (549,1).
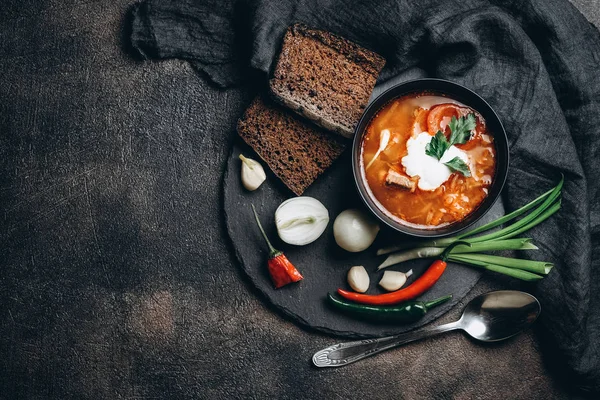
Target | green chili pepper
(405,312)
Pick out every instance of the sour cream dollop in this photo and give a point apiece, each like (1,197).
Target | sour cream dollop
(432,173)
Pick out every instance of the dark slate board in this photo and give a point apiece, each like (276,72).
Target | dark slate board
(323,264)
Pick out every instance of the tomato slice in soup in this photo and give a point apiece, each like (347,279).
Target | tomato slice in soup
(421,115)
(440,116)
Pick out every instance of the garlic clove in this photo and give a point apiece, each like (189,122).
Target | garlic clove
(394,280)
(301,220)
(253,174)
(358,279)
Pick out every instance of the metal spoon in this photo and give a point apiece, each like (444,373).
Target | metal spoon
(490,317)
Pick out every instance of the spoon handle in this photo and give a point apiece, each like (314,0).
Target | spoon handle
(341,354)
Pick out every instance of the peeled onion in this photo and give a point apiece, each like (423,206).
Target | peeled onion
(354,230)
(301,220)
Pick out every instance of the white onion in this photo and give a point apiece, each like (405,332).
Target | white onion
(354,230)
(301,220)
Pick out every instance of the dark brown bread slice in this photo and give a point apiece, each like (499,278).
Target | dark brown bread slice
(324,77)
(295,150)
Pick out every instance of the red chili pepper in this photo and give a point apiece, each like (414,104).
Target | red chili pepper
(418,287)
(282,271)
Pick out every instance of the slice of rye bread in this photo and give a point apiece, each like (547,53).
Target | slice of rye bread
(325,78)
(296,150)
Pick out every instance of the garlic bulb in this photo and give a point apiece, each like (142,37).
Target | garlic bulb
(301,220)
(394,280)
(358,279)
(354,230)
(253,174)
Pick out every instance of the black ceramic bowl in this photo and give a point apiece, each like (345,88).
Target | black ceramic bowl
(455,92)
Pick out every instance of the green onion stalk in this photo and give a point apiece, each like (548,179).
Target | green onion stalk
(427,252)
(512,272)
(537,267)
(540,209)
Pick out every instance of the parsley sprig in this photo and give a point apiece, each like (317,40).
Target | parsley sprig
(437,146)
(460,129)
(460,133)
(458,165)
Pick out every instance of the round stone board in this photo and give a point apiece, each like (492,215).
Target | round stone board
(323,263)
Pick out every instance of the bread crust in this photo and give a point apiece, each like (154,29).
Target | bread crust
(325,77)
(294,149)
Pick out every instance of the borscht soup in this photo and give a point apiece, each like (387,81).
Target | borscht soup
(428,160)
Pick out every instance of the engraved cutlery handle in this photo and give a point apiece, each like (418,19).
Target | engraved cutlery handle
(345,353)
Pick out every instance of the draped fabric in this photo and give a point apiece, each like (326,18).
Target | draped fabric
(536,62)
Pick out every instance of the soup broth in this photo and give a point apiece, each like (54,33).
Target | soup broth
(414,187)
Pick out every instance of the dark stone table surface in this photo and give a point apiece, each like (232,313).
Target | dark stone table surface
(116,280)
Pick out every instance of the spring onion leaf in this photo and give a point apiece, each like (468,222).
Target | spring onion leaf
(552,194)
(537,267)
(426,252)
(514,214)
(512,272)
(528,222)
(545,215)
(543,208)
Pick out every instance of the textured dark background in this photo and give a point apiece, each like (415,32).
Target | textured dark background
(115,275)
